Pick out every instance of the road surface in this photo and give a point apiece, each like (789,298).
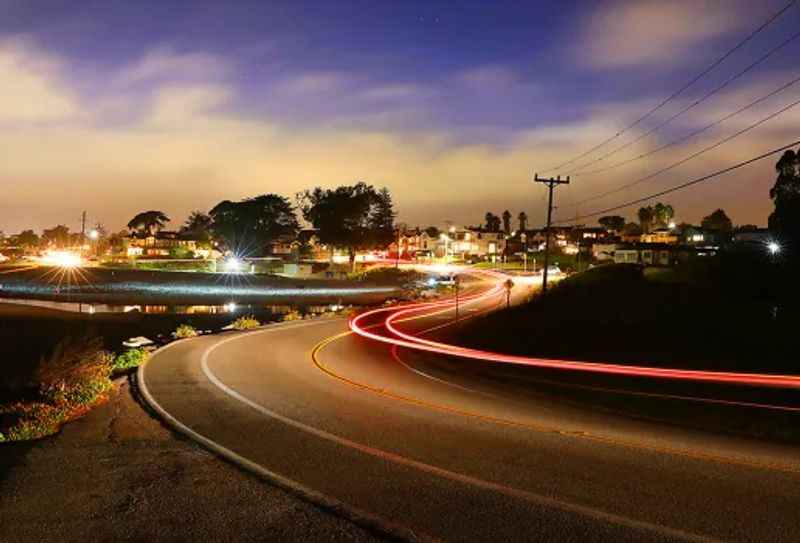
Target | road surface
(356,425)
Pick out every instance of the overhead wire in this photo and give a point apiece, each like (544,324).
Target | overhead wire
(677,93)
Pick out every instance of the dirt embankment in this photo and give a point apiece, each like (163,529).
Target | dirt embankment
(118,474)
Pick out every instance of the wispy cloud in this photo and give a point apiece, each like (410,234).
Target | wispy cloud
(652,32)
(31,88)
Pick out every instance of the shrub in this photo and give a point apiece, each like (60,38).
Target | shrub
(185,331)
(246,323)
(75,377)
(132,358)
(293,315)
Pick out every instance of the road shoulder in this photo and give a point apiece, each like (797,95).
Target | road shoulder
(119,474)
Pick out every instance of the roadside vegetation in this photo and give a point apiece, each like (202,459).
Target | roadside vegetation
(75,377)
(184,331)
(247,322)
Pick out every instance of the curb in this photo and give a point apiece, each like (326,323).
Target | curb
(363,519)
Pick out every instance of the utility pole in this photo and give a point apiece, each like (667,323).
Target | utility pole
(551,183)
(83,232)
(457,281)
(397,256)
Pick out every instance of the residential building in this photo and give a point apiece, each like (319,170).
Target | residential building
(161,244)
(660,235)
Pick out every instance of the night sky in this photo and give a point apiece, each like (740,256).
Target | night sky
(116,107)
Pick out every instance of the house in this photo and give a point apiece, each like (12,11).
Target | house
(161,244)
(660,235)
(604,252)
(647,254)
(471,242)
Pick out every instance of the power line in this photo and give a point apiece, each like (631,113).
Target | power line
(684,185)
(690,106)
(687,159)
(677,93)
(695,133)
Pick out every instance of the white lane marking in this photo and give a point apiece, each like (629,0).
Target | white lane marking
(538,499)
(339,507)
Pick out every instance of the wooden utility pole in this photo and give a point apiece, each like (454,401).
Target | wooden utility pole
(83,233)
(551,183)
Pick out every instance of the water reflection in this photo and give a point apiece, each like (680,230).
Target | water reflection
(229,308)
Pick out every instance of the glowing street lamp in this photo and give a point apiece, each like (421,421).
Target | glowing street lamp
(773,247)
(94,234)
(233,265)
(446,239)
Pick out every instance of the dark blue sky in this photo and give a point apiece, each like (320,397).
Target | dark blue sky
(462,83)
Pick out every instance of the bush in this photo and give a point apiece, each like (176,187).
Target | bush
(246,323)
(293,315)
(132,358)
(185,331)
(70,382)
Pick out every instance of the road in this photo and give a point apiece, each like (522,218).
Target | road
(366,428)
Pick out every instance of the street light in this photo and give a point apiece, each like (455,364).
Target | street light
(94,234)
(445,238)
(773,247)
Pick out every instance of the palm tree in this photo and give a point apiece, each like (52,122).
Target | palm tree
(492,222)
(523,221)
(645,215)
(507,221)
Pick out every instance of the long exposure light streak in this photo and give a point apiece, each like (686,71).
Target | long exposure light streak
(403,339)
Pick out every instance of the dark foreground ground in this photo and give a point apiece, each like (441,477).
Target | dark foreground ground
(29,333)
(118,474)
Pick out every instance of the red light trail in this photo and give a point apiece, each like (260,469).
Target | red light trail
(392,315)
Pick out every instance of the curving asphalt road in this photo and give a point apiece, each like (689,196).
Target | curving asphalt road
(362,428)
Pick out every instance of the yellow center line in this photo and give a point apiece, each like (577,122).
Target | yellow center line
(315,356)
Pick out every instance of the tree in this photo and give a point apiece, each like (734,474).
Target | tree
(663,214)
(785,194)
(58,236)
(27,238)
(507,221)
(632,229)
(148,222)
(645,215)
(717,221)
(381,220)
(657,216)
(492,222)
(198,225)
(351,217)
(523,221)
(251,225)
(612,223)
(433,232)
